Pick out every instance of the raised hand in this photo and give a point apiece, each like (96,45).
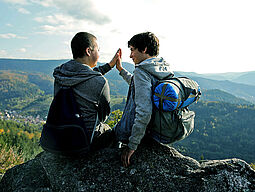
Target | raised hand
(119,62)
(117,55)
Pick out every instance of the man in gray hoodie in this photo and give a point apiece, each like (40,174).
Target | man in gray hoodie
(131,128)
(91,89)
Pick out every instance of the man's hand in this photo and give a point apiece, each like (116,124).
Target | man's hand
(125,156)
(116,57)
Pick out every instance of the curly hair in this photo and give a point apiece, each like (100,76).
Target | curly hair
(80,42)
(145,40)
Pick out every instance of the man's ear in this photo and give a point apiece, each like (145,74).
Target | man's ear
(145,50)
(88,51)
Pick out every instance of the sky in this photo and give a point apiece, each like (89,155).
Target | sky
(203,36)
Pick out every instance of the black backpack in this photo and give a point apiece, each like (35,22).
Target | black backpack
(64,132)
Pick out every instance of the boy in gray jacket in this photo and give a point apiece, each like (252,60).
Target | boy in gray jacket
(131,128)
(91,89)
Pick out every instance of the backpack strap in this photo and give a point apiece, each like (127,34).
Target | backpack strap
(92,136)
(168,76)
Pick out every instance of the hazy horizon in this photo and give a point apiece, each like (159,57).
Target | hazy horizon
(131,64)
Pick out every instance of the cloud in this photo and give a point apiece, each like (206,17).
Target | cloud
(49,29)
(8,36)
(23,11)
(22,50)
(21,2)
(57,24)
(3,53)
(11,36)
(9,25)
(54,19)
(84,10)
(45,3)
(61,25)
(55,30)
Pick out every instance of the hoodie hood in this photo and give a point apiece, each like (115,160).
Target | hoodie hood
(72,73)
(158,67)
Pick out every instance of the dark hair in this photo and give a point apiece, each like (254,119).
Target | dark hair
(143,40)
(80,42)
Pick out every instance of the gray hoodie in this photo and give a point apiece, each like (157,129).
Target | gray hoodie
(90,87)
(145,75)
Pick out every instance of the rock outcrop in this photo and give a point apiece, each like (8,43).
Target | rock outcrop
(154,168)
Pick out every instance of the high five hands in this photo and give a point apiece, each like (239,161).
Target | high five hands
(116,60)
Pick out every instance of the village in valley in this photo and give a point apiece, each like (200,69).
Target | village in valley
(15,116)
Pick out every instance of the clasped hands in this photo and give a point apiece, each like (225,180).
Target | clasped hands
(116,60)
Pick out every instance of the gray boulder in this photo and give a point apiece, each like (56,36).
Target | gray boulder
(154,167)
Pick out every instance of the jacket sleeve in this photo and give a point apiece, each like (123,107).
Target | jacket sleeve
(103,69)
(104,103)
(126,75)
(143,110)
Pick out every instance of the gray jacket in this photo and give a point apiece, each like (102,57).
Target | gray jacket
(144,74)
(91,89)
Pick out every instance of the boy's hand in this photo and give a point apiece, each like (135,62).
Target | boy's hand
(115,58)
(125,156)
(119,62)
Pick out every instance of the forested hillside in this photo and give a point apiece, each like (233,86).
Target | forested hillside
(27,93)
(222,130)
(244,91)
(31,66)
(219,95)
(22,135)
(237,77)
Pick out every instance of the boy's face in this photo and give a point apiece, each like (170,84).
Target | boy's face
(136,55)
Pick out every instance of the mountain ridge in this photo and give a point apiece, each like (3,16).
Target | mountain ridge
(205,81)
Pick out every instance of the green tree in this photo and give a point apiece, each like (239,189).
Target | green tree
(9,157)
(253,166)
(114,118)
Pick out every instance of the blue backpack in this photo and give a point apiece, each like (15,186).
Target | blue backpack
(171,119)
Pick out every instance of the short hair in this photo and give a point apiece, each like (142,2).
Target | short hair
(143,40)
(80,42)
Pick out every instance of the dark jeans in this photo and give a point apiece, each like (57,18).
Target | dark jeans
(104,137)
